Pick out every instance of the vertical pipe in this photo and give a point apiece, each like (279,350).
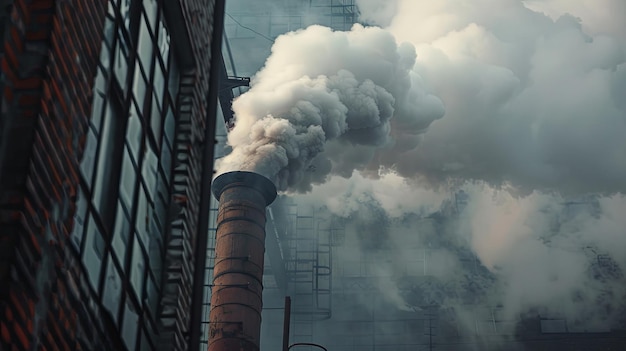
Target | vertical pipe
(236,300)
(286,323)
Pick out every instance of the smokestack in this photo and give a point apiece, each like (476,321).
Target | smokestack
(236,301)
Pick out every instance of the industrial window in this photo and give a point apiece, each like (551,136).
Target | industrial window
(89,157)
(130,324)
(99,92)
(137,269)
(128,179)
(79,220)
(152,295)
(121,233)
(112,294)
(92,253)
(143,215)
(149,172)
(145,45)
(139,86)
(107,171)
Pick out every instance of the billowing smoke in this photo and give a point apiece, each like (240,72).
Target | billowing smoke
(531,101)
(492,142)
(323,104)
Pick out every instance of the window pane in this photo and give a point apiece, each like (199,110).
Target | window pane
(128,179)
(89,157)
(121,60)
(99,95)
(164,43)
(159,83)
(144,209)
(92,255)
(152,295)
(112,290)
(130,325)
(125,12)
(137,269)
(79,220)
(134,132)
(149,171)
(174,78)
(109,25)
(154,249)
(156,120)
(121,233)
(108,166)
(151,11)
(144,45)
(161,208)
(166,163)
(170,126)
(139,86)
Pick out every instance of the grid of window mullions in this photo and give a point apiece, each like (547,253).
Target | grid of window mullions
(122,265)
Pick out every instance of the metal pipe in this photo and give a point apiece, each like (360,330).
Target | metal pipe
(237,291)
(286,322)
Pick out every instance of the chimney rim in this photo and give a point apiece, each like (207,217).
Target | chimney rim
(245,179)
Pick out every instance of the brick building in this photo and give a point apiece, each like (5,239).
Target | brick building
(104,112)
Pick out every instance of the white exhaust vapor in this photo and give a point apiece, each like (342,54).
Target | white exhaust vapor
(520,104)
(324,103)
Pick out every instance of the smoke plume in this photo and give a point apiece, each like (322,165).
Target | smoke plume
(517,108)
(323,104)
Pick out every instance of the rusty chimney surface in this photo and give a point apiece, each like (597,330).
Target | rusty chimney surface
(236,300)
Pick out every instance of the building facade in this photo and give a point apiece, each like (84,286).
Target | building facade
(105,118)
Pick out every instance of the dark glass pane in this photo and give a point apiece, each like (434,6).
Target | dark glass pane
(109,25)
(134,132)
(92,256)
(79,220)
(149,172)
(125,12)
(155,260)
(139,86)
(87,164)
(145,45)
(166,163)
(174,78)
(170,127)
(163,42)
(150,7)
(143,212)
(130,324)
(161,208)
(145,342)
(121,60)
(159,83)
(109,154)
(121,232)
(137,269)
(156,119)
(128,179)
(112,290)
(152,295)
(99,96)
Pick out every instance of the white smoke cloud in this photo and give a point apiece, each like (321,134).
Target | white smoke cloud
(533,131)
(323,97)
(530,101)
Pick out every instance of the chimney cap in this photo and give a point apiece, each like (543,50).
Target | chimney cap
(245,179)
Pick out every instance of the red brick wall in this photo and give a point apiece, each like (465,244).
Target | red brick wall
(51,52)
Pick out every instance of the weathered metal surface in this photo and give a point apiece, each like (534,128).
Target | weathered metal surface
(236,300)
